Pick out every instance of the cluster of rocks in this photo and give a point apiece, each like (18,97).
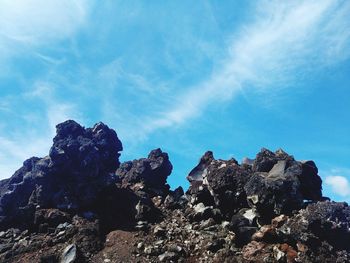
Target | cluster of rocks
(79,204)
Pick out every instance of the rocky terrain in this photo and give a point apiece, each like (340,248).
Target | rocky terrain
(79,204)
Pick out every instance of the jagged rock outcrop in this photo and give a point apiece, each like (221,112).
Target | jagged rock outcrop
(274,184)
(77,170)
(79,204)
(151,172)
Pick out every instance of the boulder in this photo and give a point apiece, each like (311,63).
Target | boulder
(280,184)
(273,183)
(220,183)
(319,223)
(151,171)
(78,168)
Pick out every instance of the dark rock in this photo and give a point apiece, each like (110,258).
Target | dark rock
(219,182)
(5,247)
(225,181)
(51,217)
(159,231)
(215,245)
(70,178)
(199,193)
(199,172)
(264,161)
(310,181)
(280,184)
(89,149)
(80,205)
(201,212)
(320,222)
(152,171)
(244,226)
(176,199)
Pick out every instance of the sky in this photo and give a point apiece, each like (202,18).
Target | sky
(185,76)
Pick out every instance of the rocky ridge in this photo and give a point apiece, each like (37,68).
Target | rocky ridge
(79,204)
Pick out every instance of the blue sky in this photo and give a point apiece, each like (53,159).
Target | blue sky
(229,76)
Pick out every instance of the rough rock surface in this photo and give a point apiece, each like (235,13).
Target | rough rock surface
(79,204)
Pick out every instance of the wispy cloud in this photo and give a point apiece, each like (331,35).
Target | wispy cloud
(136,93)
(39,21)
(17,148)
(27,25)
(55,110)
(282,38)
(34,137)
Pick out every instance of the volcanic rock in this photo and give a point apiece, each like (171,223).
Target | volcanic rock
(70,178)
(79,204)
(152,172)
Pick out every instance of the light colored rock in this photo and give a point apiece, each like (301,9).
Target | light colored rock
(253,198)
(175,248)
(278,254)
(277,170)
(200,208)
(250,215)
(166,256)
(140,245)
(159,231)
(69,254)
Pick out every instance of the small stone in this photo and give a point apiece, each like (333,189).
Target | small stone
(142,225)
(301,247)
(140,245)
(61,233)
(225,224)
(62,226)
(278,254)
(175,248)
(157,200)
(265,233)
(148,250)
(167,256)
(279,220)
(159,231)
(159,242)
(5,247)
(215,245)
(69,254)
(207,223)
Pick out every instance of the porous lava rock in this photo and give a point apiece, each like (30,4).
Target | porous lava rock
(76,171)
(274,184)
(151,172)
(79,204)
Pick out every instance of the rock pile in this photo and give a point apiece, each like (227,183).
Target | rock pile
(79,204)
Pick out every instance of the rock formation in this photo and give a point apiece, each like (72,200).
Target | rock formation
(79,204)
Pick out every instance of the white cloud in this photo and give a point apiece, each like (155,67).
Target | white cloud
(38,21)
(28,25)
(285,36)
(113,72)
(339,185)
(34,138)
(15,150)
(56,111)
